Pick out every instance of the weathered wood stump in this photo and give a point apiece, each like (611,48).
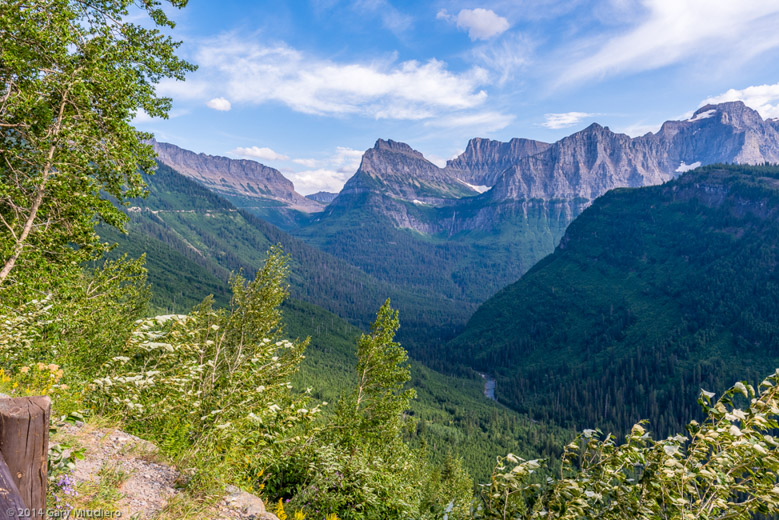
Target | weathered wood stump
(24,448)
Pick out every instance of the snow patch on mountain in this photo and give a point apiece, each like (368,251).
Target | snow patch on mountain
(703,115)
(684,167)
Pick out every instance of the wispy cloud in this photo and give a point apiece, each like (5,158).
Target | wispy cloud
(671,31)
(481,24)
(763,98)
(192,89)
(478,122)
(256,152)
(344,160)
(312,181)
(220,104)
(253,73)
(506,56)
(391,18)
(564,120)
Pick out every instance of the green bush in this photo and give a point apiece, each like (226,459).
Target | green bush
(725,467)
(218,377)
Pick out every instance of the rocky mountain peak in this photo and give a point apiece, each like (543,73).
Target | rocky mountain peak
(396,147)
(725,132)
(733,113)
(592,161)
(396,170)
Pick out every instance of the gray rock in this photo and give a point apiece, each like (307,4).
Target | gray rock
(247,503)
(234,177)
(484,160)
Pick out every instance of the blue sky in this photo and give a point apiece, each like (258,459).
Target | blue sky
(307,86)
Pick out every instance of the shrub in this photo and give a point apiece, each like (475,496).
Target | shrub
(725,467)
(219,378)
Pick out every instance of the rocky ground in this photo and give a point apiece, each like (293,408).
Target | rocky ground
(123,473)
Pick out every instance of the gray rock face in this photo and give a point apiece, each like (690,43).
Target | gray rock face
(325,197)
(583,165)
(484,160)
(396,170)
(561,178)
(728,132)
(588,163)
(232,177)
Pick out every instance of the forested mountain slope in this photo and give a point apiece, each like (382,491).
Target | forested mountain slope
(653,294)
(410,223)
(247,184)
(217,238)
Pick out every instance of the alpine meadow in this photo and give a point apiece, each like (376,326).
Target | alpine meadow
(226,293)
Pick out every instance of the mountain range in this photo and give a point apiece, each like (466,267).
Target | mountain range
(462,232)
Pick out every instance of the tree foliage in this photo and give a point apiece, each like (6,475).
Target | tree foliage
(380,399)
(725,467)
(73,75)
(217,379)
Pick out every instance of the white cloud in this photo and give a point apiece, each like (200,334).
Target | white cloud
(327,174)
(671,31)
(141,117)
(344,160)
(476,122)
(557,121)
(312,181)
(190,90)
(255,152)
(308,163)
(763,98)
(220,104)
(481,24)
(252,73)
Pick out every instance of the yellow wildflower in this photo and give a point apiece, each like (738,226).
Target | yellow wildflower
(280,510)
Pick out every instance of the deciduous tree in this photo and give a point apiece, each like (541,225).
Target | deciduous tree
(73,75)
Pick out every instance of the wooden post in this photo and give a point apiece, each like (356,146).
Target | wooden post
(11,504)
(24,446)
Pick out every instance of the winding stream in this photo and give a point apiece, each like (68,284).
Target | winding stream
(489,386)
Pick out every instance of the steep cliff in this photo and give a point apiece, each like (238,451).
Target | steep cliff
(484,160)
(396,170)
(587,164)
(235,178)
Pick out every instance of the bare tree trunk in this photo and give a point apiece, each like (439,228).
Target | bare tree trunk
(41,191)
